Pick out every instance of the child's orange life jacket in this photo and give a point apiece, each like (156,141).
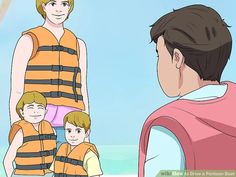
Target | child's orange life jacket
(70,162)
(37,152)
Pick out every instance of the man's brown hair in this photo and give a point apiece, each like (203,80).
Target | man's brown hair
(200,34)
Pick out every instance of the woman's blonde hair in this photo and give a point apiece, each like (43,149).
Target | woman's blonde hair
(78,119)
(28,98)
(40,10)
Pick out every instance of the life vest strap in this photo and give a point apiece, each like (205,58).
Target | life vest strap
(69,160)
(34,167)
(37,154)
(53,68)
(74,85)
(52,82)
(67,175)
(57,48)
(59,94)
(40,137)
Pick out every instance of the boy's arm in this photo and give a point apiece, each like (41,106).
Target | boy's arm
(83,67)
(92,164)
(11,153)
(164,152)
(21,57)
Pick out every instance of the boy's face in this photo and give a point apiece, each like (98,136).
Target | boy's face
(74,135)
(167,70)
(33,112)
(57,10)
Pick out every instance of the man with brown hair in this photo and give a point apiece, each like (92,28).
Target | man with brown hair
(194,45)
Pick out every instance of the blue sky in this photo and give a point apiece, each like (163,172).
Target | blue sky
(122,82)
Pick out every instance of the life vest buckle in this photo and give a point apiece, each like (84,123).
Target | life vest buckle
(55,94)
(63,159)
(57,68)
(68,160)
(57,48)
(56,81)
(44,136)
(45,153)
(41,137)
(45,166)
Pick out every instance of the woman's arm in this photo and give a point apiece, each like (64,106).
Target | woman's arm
(83,66)
(11,153)
(21,57)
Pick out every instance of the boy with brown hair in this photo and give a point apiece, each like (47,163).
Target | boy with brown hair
(193,45)
(32,139)
(77,157)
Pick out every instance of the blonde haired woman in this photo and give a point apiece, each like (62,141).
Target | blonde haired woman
(50,59)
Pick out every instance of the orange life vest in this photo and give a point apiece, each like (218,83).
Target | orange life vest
(36,154)
(53,68)
(70,162)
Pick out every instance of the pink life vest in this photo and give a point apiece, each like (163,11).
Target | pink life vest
(206,131)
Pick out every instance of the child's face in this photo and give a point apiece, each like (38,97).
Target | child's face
(167,72)
(74,135)
(57,10)
(33,112)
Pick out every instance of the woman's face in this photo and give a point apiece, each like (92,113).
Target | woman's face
(57,11)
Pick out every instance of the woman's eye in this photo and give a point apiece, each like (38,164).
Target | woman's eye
(69,131)
(53,4)
(78,131)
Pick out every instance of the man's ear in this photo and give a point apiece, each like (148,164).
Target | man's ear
(22,112)
(87,133)
(178,58)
